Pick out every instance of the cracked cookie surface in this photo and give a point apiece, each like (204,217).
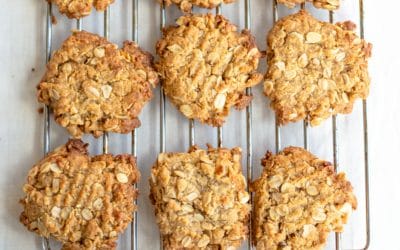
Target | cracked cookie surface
(324,4)
(298,201)
(316,69)
(94,87)
(80,8)
(187,5)
(82,201)
(206,65)
(200,199)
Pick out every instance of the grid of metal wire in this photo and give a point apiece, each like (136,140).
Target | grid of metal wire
(249,118)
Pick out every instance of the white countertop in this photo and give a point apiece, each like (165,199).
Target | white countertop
(22,57)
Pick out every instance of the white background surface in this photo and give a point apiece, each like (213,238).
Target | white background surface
(22,50)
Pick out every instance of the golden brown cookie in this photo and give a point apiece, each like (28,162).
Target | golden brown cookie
(324,4)
(200,199)
(80,8)
(94,87)
(206,65)
(82,201)
(298,200)
(187,5)
(316,69)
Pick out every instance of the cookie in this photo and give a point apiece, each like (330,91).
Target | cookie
(316,69)
(298,200)
(324,4)
(206,65)
(187,5)
(94,87)
(82,201)
(200,199)
(80,8)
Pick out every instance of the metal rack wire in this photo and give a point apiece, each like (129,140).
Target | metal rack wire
(249,126)
(366,145)
(249,119)
(135,38)
(220,131)
(162,106)
(46,122)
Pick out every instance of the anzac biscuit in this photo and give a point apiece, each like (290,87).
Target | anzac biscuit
(206,65)
(80,8)
(298,200)
(82,201)
(200,199)
(325,4)
(186,5)
(94,87)
(316,69)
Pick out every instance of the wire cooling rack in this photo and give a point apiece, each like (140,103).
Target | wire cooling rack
(134,239)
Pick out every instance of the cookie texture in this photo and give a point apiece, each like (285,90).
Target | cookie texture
(200,199)
(206,65)
(316,69)
(298,201)
(80,8)
(82,201)
(324,4)
(187,5)
(94,87)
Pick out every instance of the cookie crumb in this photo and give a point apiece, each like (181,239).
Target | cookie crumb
(53,19)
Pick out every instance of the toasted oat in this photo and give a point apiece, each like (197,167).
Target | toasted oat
(325,4)
(298,200)
(94,87)
(78,199)
(206,65)
(316,69)
(186,5)
(200,199)
(80,8)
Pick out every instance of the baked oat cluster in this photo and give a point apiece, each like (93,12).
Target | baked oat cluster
(200,199)
(316,69)
(299,199)
(206,65)
(324,4)
(94,87)
(187,5)
(81,201)
(80,8)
